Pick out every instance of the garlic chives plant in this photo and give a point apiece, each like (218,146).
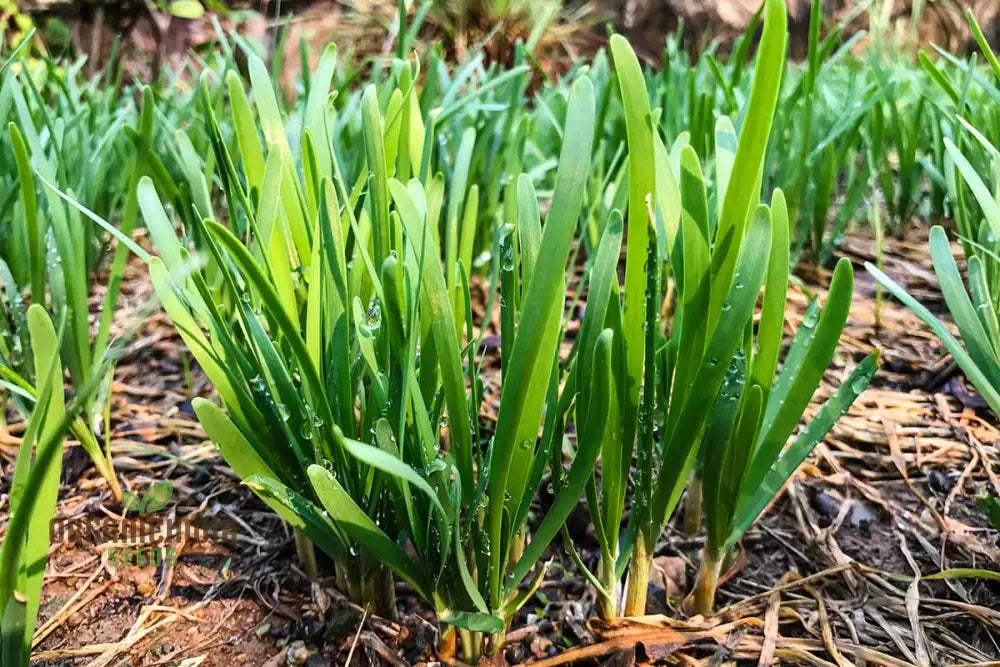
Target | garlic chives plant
(704,380)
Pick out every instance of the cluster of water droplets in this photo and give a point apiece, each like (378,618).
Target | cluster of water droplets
(485,544)
(311,422)
(17,309)
(52,253)
(735,379)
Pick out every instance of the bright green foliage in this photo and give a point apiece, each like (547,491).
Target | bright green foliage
(33,490)
(708,377)
(958,153)
(974,311)
(332,314)
(712,312)
(818,143)
(321,280)
(746,461)
(64,136)
(302,314)
(326,320)
(972,175)
(53,247)
(25,549)
(972,180)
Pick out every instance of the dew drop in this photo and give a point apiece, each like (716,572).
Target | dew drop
(374,318)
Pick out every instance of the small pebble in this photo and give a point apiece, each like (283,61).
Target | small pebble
(862,516)
(297,654)
(940,482)
(825,505)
